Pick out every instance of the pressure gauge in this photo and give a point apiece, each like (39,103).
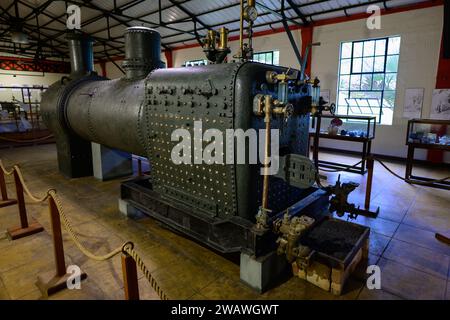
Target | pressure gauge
(250,14)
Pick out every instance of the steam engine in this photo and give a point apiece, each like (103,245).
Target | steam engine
(214,203)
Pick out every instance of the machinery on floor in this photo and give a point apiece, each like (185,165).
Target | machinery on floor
(231,206)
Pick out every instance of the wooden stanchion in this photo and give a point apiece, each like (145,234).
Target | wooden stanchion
(130,280)
(25,229)
(52,282)
(367,207)
(5,201)
(370,165)
(139,162)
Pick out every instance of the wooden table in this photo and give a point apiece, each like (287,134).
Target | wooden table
(366,142)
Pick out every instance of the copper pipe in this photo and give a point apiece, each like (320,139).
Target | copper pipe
(267,110)
(241,30)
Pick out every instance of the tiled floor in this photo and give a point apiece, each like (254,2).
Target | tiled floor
(414,264)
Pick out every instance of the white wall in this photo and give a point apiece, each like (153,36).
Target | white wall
(21,78)
(420,31)
(112,72)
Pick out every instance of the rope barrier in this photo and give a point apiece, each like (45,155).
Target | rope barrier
(74,236)
(128,248)
(6,172)
(27,191)
(427,183)
(406,180)
(25,140)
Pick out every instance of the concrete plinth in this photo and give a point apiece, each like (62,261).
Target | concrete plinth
(110,163)
(264,272)
(128,210)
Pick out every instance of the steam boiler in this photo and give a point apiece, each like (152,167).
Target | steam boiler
(230,207)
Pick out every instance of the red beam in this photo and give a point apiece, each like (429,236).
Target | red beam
(169,58)
(31,65)
(103,68)
(307,38)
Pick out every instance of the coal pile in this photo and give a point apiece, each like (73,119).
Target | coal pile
(335,238)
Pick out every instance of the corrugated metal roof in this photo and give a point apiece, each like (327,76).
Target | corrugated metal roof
(175,21)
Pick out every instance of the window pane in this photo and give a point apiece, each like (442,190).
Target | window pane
(368,65)
(369,48)
(357,49)
(342,96)
(346,50)
(276,58)
(366,82)
(378,82)
(379,64)
(390,81)
(357,65)
(367,95)
(344,83)
(394,45)
(345,66)
(392,64)
(355,82)
(368,78)
(380,48)
(389,99)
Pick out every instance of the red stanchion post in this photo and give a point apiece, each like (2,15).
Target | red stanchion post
(130,280)
(51,282)
(5,201)
(370,165)
(25,229)
(367,207)
(139,162)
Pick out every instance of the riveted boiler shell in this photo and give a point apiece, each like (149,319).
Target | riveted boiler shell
(107,112)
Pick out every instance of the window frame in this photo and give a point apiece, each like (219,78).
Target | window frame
(272,52)
(198,61)
(372,73)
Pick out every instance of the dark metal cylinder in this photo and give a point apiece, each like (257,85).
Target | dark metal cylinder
(142,52)
(81,53)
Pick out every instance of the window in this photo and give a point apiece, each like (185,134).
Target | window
(268,57)
(368,78)
(192,63)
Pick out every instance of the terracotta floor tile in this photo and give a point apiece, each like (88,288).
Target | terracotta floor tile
(375,294)
(377,243)
(418,258)
(409,283)
(421,237)
(187,270)
(225,288)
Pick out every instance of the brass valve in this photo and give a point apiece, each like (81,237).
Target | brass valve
(273,77)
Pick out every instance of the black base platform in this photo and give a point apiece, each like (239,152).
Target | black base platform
(234,234)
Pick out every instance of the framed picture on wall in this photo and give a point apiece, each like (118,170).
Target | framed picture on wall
(413,103)
(440,106)
(325,94)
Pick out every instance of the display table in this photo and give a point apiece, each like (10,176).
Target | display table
(365,137)
(418,136)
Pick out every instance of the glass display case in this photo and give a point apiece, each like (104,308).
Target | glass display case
(420,134)
(427,134)
(359,129)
